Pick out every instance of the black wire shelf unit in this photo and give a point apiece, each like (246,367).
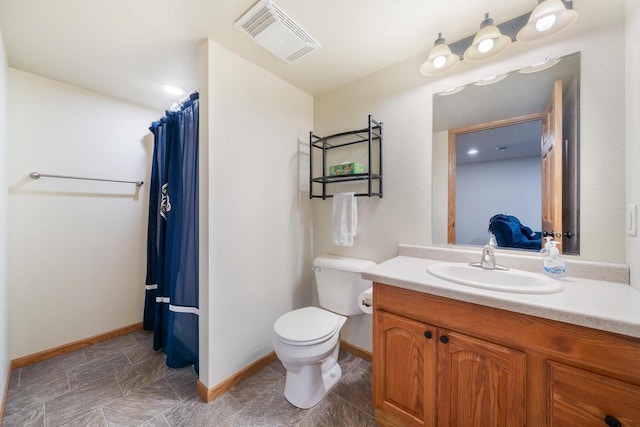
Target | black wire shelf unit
(370,136)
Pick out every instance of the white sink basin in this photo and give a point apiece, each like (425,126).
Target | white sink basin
(515,281)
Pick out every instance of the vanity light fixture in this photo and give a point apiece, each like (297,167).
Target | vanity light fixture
(549,17)
(472,152)
(547,63)
(487,43)
(440,59)
(491,80)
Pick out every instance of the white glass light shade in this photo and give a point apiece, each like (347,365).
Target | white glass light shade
(547,63)
(440,59)
(451,91)
(491,80)
(549,17)
(488,43)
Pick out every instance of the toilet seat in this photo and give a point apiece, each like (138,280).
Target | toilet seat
(306,326)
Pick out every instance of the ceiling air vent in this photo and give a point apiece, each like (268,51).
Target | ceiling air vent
(272,29)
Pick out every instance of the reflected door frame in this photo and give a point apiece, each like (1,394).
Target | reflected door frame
(552,167)
(453,136)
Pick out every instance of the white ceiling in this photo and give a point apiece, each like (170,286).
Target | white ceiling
(129,48)
(502,143)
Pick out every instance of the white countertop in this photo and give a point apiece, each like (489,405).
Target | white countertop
(608,306)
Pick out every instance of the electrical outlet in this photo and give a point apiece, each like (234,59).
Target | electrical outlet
(632,220)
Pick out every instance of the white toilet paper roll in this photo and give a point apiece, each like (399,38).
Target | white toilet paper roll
(365,301)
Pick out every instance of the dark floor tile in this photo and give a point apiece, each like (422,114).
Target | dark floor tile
(159,421)
(365,365)
(268,408)
(24,416)
(143,337)
(97,369)
(143,374)
(140,352)
(14,378)
(276,365)
(141,405)
(124,382)
(78,403)
(92,418)
(356,387)
(183,381)
(37,390)
(34,373)
(347,361)
(110,346)
(195,413)
(244,419)
(258,384)
(336,412)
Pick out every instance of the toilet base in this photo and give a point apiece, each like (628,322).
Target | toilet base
(307,385)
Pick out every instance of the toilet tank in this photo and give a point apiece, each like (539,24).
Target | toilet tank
(339,283)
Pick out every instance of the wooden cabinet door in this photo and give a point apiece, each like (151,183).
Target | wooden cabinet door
(586,399)
(404,370)
(479,383)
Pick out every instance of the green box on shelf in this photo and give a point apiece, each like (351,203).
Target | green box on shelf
(346,169)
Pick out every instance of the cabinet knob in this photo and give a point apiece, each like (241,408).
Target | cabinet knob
(612,421)
(428,334)
(444,339)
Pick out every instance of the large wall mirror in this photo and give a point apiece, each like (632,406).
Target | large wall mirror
(505,159)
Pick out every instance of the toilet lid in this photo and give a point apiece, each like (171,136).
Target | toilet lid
(306,324)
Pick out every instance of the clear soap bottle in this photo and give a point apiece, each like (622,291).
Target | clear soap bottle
(547,245)
(554,266)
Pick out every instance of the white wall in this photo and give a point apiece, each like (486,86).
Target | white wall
(259,224)
(487,188)
(632,66)
(4,229)
(78,248)
(402,99)
(204,203)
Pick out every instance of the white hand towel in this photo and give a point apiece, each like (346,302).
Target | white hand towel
(345,218)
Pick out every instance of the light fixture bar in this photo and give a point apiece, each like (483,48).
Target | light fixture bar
(548,18)
(509,28)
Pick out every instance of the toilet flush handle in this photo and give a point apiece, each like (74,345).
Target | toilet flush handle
(316,269)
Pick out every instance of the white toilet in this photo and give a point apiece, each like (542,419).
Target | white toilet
(307,340)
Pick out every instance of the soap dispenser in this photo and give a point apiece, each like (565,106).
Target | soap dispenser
(547,245)
(554,266)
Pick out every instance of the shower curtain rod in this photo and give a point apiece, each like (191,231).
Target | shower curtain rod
(37,175)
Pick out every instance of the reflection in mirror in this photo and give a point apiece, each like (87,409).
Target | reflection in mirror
(505,159)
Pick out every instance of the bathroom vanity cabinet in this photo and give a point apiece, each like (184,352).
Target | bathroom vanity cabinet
(443,362)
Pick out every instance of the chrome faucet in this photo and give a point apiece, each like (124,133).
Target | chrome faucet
(488,257)
(488,260)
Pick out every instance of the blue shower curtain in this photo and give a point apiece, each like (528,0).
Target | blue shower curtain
(171,295)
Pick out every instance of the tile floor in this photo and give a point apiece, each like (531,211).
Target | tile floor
(123,382)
